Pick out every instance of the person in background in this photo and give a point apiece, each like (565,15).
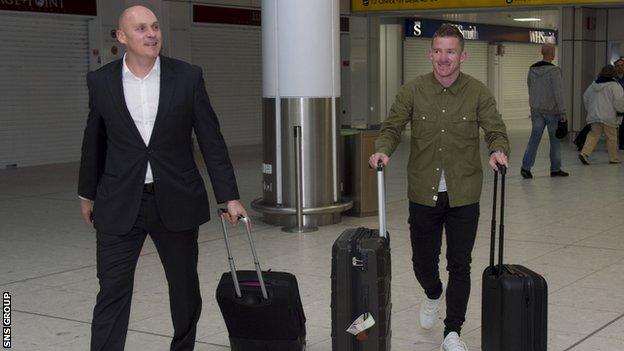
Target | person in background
(446,108)
(547,109)
(619,77)
(603,99)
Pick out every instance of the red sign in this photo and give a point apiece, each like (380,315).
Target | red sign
(69,7)
(225,15)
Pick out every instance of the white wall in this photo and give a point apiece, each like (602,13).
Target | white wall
(616,24)
(178,39)
(360,98)
(512,89)
(583,51)
(391,65)
(375,112)
(43,103)
(615,35)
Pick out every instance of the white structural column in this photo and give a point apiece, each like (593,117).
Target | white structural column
(300,40)
(301,82)
(300,57)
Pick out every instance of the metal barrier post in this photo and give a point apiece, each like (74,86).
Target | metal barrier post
(299,228)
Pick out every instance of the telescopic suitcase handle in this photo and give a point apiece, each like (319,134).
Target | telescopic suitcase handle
(222,212)
(381,199)
(503,171)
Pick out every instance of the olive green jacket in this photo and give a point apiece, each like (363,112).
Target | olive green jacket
(444,136)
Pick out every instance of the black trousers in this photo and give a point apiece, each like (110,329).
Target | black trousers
(460,224)
(117,256)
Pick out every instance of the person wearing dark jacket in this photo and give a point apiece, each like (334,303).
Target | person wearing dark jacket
(603,99)
(138,177)
(547,109)
(619,77)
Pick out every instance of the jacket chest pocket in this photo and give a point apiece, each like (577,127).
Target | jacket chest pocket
(466,125)
(424,125)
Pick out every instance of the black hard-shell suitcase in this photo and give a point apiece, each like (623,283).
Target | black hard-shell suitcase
(360,283)
(514,298)
(262,310)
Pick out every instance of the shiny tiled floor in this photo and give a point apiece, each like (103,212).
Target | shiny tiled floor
(568,229)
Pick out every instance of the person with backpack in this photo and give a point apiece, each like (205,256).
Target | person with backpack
(603,99)
(619,77)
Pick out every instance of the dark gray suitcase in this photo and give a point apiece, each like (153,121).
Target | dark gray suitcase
(514,298)
(262,310)
(360,283)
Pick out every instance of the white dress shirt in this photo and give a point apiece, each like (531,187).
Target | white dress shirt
(141,95)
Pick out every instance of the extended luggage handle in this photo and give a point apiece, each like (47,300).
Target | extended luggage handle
(247,223)
(381,199)
(503,170)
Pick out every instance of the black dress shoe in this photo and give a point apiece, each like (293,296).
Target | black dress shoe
(525,174)
(583,159)
(559,173)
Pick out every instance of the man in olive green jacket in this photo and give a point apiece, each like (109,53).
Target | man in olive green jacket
(446,108)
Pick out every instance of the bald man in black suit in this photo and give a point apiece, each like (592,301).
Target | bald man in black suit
(138,177)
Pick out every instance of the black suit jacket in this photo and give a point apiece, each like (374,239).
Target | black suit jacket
(114,156)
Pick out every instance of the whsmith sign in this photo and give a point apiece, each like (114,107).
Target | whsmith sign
(396,5)
(69,7)
(425,28)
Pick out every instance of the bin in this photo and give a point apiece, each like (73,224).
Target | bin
(359,180)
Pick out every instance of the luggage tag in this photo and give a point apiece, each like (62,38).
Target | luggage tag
(360,325)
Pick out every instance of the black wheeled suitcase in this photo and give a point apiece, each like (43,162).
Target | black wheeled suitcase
(514,298)
(360,284)
(262,310)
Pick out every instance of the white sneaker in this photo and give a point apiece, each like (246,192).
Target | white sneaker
(452,342)
(430,311)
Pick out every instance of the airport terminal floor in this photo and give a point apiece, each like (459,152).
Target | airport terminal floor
(568,229)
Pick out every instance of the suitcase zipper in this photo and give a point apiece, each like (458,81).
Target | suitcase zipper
(530,340)
(526,311)
(355,281)
(529,310)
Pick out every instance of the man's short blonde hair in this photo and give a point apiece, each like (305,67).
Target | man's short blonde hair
(448,30)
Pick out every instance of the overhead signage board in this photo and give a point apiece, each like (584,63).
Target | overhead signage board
(397,5)
(67,7)
(226,15)
(425,28)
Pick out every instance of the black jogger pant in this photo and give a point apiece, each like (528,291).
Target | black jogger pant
(460,224)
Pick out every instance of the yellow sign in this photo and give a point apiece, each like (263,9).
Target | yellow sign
(396,5)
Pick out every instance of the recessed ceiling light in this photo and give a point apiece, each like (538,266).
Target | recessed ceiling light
(527,19)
